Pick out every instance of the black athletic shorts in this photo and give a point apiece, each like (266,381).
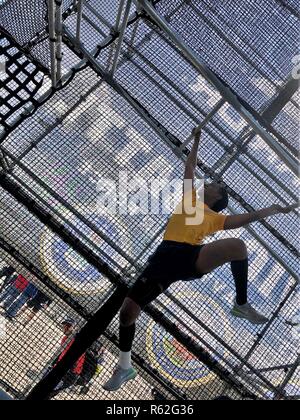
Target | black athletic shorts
(172,262)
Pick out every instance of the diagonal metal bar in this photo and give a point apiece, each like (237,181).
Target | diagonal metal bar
(287,378)
(79,19)
(121,36)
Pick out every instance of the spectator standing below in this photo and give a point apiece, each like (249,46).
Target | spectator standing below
(93,366)
(12,292)
(74,374)
(29,293)
(35,305)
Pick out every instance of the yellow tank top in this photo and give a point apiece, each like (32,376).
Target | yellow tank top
(193,221)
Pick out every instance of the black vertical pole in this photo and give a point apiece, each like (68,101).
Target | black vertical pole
(86,337)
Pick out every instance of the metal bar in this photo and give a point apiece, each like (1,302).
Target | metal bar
(58,27)
(82,63)
(171,142)
(230,158)
(274,254)
(130,43)
(219,339)
(284,93)
(99,322)
(225,91)
(225,162)
(3,162)
(289,8)
(93,25)
(119,16)
(52,38)
(165,309)
(65,220)
(4,396)
(133,35)
(274,368)
(121,37)
(79,19)
(93,329)
(98,16)
(148,369)
(215,11)
(267,326)
(235,142)
(206,120)
(144,250)
(186,110)
(283,97)
(287,378)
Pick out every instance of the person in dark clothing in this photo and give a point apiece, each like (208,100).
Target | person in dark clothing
(29,293)
(35,305)
(93,366)
(72,377)
(185,254)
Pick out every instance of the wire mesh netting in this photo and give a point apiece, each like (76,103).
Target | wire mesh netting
(89,133)
(20,84)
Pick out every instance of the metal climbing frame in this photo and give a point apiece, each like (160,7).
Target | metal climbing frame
(237,361)
(224,90)
(55,37)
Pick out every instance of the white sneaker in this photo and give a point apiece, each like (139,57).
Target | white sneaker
(119,378)
(249,313)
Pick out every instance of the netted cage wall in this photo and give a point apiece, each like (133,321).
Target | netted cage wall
(135,78)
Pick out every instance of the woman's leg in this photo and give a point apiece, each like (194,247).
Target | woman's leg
(232,251)
(124,372)
(129,314)
(225,251)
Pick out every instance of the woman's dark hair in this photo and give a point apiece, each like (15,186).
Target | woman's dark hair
(223,202)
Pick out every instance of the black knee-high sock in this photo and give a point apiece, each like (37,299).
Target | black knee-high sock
(126,338)
(240,274)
